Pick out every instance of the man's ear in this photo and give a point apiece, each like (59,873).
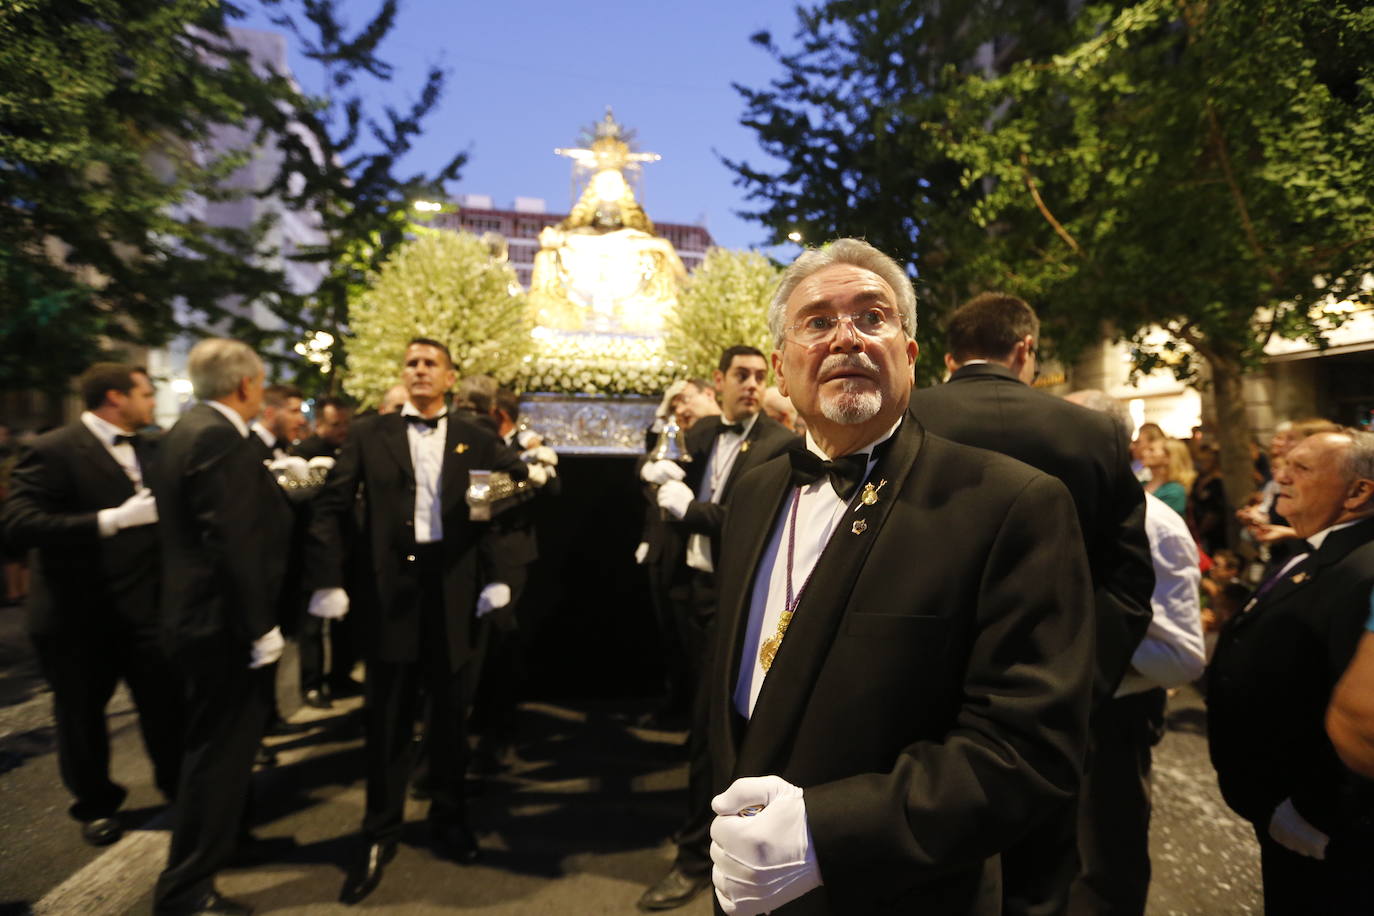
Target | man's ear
(777,373)
(950,363)
(1360,496)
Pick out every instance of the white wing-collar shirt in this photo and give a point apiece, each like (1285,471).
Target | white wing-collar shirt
(724,451)
(427,459)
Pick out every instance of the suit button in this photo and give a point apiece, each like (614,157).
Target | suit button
(410,558)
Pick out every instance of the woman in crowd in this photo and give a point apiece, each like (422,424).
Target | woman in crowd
(1207,502)
(1171,473)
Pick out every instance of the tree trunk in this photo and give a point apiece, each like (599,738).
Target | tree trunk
(1233,435)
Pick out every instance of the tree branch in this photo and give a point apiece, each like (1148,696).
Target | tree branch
(1044,210)
(1224,159)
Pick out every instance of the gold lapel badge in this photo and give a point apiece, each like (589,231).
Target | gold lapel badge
(744,446)
(870,494)
(860,526)
(1300,578)
(460,448)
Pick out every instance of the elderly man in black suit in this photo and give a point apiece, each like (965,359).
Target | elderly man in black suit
(723,447)
(926,608)
(79,499)
(1272,676)
(989,403)
(430,572)
(224,526)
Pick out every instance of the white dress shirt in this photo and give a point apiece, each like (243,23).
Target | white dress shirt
(724,451)
(268,440)
(427,459)
(819,512)
(1172,652)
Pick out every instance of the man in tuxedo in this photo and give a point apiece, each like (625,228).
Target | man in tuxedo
(429,573)
(332,420)
(926,606)
(79,499)
(282,422)
(224,526)
(989,403)
(1271,678)
(723,447)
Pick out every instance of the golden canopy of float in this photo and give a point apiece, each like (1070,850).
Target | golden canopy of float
(603,270)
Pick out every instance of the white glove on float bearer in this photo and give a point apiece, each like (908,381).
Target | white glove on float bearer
(1291,830)
(675,496)
(494,597)
(267,648)
(540,455)
(328,603)
(660,472)
(766,860)
(641,553)
(136,511)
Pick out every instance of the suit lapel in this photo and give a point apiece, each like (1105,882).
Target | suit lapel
(458,460)
(396,442)
(787,688)
(100,458)
(1333,549)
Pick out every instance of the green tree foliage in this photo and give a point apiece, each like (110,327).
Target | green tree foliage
(105,108)
(343,162)
(723,303)
(844,129)
(445,286)
(1207,168)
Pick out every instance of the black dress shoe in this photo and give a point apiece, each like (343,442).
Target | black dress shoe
(316,699)
(675,889)
(455,842)
(367,874)
(102,831)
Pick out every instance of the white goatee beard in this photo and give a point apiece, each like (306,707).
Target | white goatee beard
(854,404)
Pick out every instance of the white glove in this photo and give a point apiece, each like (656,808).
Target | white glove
(763,861)
(539,475)
(660,472)
(321,461)
(675,496)
(328,603)
(641,553)
(494,597)
(540,455)
(665,406)
(293,467)
(528,438)
(139,509)
(267,648)
(1291,830)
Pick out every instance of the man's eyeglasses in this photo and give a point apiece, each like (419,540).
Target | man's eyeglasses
(818,327)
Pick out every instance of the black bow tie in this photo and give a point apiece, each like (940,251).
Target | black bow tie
(845,473)
(121,439)
(734,428)
(431,422)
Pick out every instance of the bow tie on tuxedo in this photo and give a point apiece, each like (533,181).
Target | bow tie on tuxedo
(122,439)
(431,422)
(845,473)
(734,429)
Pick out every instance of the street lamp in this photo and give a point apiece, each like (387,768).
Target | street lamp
(794,236)
(428,206)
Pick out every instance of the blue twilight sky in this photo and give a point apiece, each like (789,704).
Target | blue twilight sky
(525,76)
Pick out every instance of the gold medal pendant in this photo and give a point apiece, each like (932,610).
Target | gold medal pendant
(769,650)
(869,496)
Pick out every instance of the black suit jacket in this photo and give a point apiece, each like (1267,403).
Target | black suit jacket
(987,406)
(932,707)
(375,466)
(1268,686)
(83,585)
(314,447)
(224,527)
(766,439)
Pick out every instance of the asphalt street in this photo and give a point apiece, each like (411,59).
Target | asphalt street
(579,824)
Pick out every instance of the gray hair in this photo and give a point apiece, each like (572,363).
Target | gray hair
(1102,402)
(1359,458)
(216,365)
(857,253)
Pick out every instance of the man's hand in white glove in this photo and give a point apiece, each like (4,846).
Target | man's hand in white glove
(494,597)
(660,472)
(328,603)
(539,475)
(267,648)
(675,496)
(541,455)
(641,553)
(1290,829)
(139,509)
(765,860)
